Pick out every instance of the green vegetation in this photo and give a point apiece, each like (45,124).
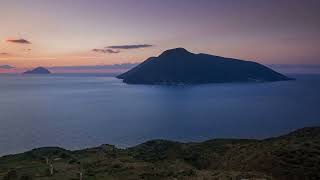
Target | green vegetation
(293,156)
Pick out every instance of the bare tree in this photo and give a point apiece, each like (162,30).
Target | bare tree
(51,169)
(81,171)
(80,174)
(50,165)
(47,160)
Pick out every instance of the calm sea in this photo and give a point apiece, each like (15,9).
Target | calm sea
(78,111)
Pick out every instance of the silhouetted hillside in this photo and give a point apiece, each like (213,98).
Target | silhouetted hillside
(292,156)
(178,65)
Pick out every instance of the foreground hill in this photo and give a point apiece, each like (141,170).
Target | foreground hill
(293,156)
(179,66)
(38,70)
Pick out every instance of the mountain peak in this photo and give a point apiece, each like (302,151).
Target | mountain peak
(176,51)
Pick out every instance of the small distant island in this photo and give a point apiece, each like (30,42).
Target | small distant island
(292,156)
(179,66)
(38,70)
(6,67)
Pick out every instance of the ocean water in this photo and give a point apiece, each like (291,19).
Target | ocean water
(78,111)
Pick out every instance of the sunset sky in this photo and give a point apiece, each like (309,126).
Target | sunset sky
(96,32)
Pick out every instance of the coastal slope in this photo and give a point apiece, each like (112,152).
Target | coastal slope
(292,156)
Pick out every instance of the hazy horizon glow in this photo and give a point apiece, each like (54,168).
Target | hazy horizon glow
(64,33)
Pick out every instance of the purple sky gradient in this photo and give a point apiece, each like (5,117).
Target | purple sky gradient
(64,32)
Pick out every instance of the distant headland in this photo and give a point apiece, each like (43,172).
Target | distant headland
(38,70)
(179,66)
